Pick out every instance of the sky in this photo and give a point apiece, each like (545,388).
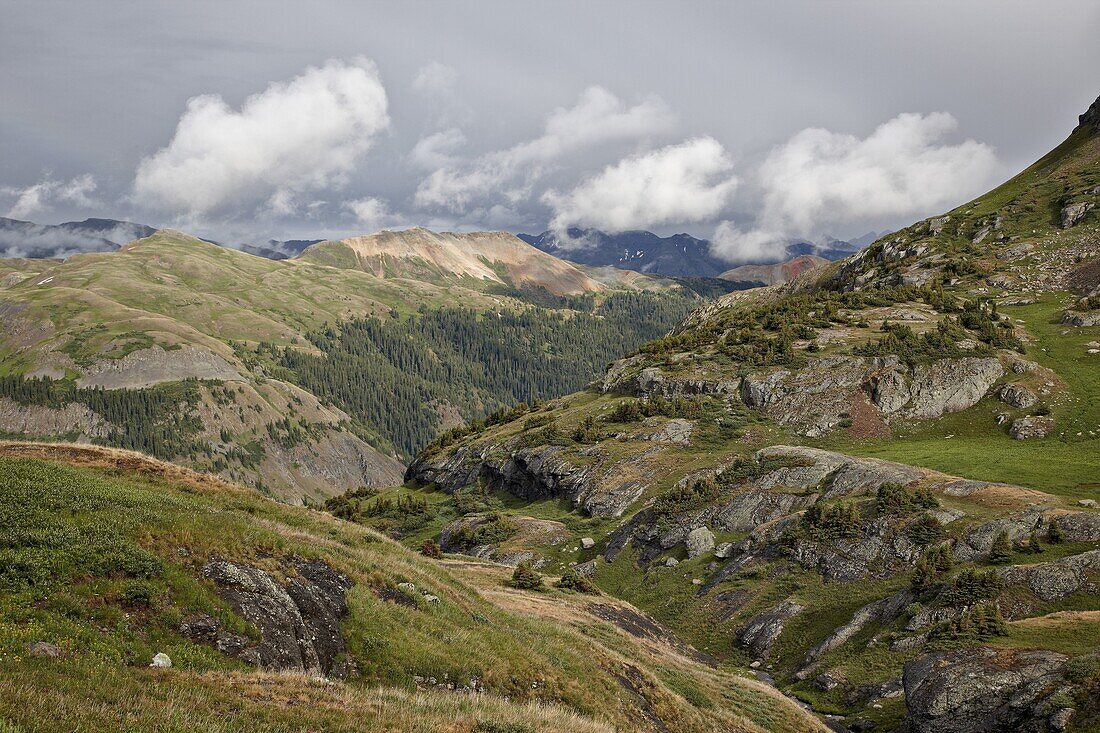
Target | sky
(748,123)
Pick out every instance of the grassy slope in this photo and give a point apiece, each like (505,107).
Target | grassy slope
(1066,465)
(85,534)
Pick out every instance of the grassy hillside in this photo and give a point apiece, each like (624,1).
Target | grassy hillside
(729,478)
(103,555)
(255,347)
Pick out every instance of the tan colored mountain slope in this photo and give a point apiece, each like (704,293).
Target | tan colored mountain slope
(495,256)
(776,274)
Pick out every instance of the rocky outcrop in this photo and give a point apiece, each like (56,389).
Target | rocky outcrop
(529,473)
(1031,427)
(1053,581)
(818,398)
(524,532)
(882,611)
(1082,319)
(154,365)
(1073,213)
(74,420)
(981,689)
(1075,527)
(299,621)
(762,631)
(621,378)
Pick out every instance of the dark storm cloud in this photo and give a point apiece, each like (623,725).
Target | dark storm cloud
(515,114)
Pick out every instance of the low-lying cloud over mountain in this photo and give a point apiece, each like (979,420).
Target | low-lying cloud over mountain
(27,239)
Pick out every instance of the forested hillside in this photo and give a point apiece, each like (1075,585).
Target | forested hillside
(296,377)
(408,375)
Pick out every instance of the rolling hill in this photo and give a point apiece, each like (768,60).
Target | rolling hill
(875,483)
(278,618)
(235,363)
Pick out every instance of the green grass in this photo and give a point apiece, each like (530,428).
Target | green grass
(105,564)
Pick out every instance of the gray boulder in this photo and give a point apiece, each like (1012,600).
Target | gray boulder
(762,631)
(1031,427)
(1017,396)
(981,690)
(698,541)
(299,623)
(1074,213)
(1052,581)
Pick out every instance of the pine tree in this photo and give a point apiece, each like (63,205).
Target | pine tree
(1001,551)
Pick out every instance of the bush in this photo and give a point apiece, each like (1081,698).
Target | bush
(925,530)
(980,622)
(823,523)
(138,593)
(525,577)
(571,579)
(930,569)
(894,498)
(431,549)
(1001,551)
(971,586)
(1054,533)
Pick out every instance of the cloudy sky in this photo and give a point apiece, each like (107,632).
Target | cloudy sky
(748,123)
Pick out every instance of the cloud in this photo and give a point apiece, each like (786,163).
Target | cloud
(506,177)
(295,137)
(41,196)
(372,213)
(688,182)
(437,150)
(434,79)
(820,178)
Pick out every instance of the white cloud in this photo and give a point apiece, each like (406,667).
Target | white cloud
(437,150)
(372,213)
(688,182)
(295,137)
(820,178)
(41,196)
(507,176)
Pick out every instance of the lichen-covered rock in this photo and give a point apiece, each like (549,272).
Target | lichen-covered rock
(1082,319)
(1052,581)
(1017,396)
(762,631)
(698,541)
(1032,426)
(299,622)
(980,689)
(1073,213)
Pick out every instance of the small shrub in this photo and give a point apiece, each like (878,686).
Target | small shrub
(573,580)
(1001,551)
(980,622)
(431,549)
(525,577)
(138,593)
(1054,534)
(971,586)
(925,530)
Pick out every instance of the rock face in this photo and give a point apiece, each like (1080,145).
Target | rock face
(35,420)
(982,689)
(762,631)
(529,473)
(299,623)
(155,365)
(1074,213)
(1083,319)
(817,398)
(1053,581)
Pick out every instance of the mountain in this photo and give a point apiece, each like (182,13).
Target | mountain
(680,255)
(276,249)
(776,274)
(26,239)
(418,253)
(877,482)
(282,618)
(299,378)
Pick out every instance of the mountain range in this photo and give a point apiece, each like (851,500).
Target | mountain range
(679,255)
